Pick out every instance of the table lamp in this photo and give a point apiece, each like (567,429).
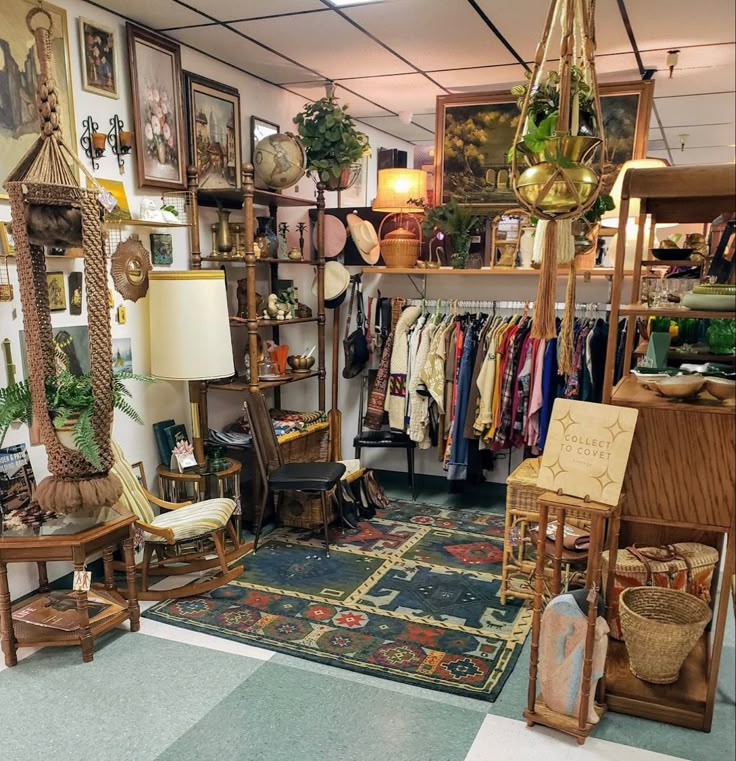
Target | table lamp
(190,336)
(400,247)
(611,218)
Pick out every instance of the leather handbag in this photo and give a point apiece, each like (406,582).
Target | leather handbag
(354,344)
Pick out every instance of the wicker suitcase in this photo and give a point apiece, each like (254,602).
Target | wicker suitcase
(687,567)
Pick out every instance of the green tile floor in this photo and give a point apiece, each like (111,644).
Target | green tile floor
(168,694)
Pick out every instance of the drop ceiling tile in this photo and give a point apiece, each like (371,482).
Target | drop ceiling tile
(230,10)
(358,106)
(521,23)
(480,78)
(716,155)
(409,92)
(676,23)
(223,44)
(618,67)
(326,43)
(715,135)
(702,79)
(698,109)
(425,120)
(393,126)
(159,15)
(450,35)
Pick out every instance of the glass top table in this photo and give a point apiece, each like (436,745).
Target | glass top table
(21,524)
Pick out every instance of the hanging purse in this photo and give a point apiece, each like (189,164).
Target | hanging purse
(354,344)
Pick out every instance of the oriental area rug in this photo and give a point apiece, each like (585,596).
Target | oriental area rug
(412,597)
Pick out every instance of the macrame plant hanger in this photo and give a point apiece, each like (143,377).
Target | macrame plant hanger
(575,171)
(49,207)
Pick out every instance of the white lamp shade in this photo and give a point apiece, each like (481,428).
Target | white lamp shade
(611,218)
(397,186)
(190,326)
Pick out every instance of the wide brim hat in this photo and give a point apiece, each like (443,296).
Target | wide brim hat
(335,236)
(337,280)
(365,237)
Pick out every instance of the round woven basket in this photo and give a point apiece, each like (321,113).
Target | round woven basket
(660,627)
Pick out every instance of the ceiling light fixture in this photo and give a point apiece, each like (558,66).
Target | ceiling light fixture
(405,117)
(683,140)
(673,56)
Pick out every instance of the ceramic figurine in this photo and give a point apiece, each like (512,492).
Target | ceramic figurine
(295,255)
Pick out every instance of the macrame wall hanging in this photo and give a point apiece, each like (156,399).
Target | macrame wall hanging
(563,162)
(49,208)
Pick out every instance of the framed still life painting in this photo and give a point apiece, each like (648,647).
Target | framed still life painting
(213,130)
(474,132)
(19,72)
(98,49)
(155,81)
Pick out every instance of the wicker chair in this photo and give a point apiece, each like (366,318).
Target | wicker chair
(183,536)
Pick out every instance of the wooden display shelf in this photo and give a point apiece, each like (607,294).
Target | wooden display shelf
(502,271)
(688,356)
(671,263)
(241,260)
(642,310)
(629,393)
(273,323)
(242,384)
(682,703)
(233,199)
(141,223)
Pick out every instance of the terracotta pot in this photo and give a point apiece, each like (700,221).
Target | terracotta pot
(339,183)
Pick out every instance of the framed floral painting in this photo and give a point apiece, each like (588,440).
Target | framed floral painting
(98,49)
(155,81)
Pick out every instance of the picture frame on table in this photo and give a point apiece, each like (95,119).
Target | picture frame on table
(20,122)
(213,132)
(473,133)
(99,58)
(260,128)
(158,115)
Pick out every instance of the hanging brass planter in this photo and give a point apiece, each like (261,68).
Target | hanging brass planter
(554,190)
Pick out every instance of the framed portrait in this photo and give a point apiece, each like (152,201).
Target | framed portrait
(155,82)
(474,132)
(99,55)
(57,291)
(357,194)
(18,120)
(260,128)
(7,243)
(213,131)
(76,287)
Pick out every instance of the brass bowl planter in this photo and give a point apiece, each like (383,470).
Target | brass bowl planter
(562,196)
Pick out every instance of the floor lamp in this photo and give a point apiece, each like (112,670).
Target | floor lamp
(190,336)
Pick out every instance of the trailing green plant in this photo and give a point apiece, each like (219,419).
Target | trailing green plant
(70,400)
(452,218)
(545,98)
(330,138)
(602,204)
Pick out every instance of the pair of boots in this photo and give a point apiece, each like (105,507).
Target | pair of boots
(361,499)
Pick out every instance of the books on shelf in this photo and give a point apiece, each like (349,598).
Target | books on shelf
(58,609)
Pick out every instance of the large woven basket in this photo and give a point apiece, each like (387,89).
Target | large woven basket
(660,628)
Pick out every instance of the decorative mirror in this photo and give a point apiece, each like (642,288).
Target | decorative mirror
(130,265)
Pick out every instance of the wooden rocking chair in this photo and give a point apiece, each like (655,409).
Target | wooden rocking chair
(183,536)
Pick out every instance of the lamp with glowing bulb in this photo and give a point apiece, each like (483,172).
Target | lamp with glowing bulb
(396,187)
(190,336)
(611,218)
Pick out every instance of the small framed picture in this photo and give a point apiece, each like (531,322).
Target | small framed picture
(57,291)
(162,248)
(7,244)
(98,46)
(75,293)
(260,128)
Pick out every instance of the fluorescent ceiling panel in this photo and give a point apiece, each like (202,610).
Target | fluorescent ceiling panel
(160,14)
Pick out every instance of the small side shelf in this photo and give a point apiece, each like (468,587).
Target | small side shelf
(233,199)
(241,260)
(272,323)
(142,223)
(241,384)
(486,271)
(642,310)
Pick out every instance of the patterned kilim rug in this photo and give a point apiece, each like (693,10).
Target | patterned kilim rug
(413,597)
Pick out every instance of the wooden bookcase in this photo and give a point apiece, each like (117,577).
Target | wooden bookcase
(682,467)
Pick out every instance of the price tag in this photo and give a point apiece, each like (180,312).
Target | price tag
(82,581)
(107,200)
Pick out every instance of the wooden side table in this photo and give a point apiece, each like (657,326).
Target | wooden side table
(72,538)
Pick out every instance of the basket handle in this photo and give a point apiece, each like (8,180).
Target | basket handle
(670,554)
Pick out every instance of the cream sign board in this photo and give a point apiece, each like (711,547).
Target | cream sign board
(587,450)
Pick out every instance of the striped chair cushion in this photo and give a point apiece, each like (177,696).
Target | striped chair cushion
(133,497)
(193,521)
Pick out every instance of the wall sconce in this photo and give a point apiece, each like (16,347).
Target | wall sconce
(92,141)
(120,140)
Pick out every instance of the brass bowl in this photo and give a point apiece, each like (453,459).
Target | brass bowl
(559,199)
(300,364)
(721,388)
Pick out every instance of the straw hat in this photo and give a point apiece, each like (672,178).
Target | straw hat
(365,238)
(335,236)
(337,280)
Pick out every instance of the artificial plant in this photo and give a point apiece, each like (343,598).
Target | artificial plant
(330,139)
(454,220)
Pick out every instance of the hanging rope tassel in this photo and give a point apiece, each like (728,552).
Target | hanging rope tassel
(566,340)
(543,325)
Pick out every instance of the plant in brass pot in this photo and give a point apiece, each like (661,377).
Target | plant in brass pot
(455,221)
(70,403)
(332,143)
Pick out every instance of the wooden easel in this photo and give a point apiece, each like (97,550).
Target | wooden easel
(598,514)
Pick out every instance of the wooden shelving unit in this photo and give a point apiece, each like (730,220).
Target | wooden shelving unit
(679,483)
(485,272)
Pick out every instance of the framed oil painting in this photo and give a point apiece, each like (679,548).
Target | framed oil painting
(155,81)
(72,341)
(99,54)
(474,132)
(213,130)
(57,291)
(19,72)
(260,128)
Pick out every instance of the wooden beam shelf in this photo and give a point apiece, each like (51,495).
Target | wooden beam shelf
(630,393)
(241,260)
(272,323)
(500,271)
(241,384)
(642,310)
(233,199)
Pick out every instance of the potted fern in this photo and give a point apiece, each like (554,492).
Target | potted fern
(331,141)
(70,400)
(454,220)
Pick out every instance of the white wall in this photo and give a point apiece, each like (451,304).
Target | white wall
(165,400)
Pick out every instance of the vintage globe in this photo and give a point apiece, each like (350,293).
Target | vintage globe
(279,161)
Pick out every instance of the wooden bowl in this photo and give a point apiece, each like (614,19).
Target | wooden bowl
(680,386)
(722,388)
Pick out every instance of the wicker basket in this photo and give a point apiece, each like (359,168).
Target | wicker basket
(660,627)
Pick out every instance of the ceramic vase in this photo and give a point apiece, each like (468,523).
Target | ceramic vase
(267,238)
(223,239)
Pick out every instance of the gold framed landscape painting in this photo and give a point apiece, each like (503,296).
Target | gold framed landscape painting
(474,132)
(19,74)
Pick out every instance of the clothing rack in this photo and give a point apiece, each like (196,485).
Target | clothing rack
(484,305)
